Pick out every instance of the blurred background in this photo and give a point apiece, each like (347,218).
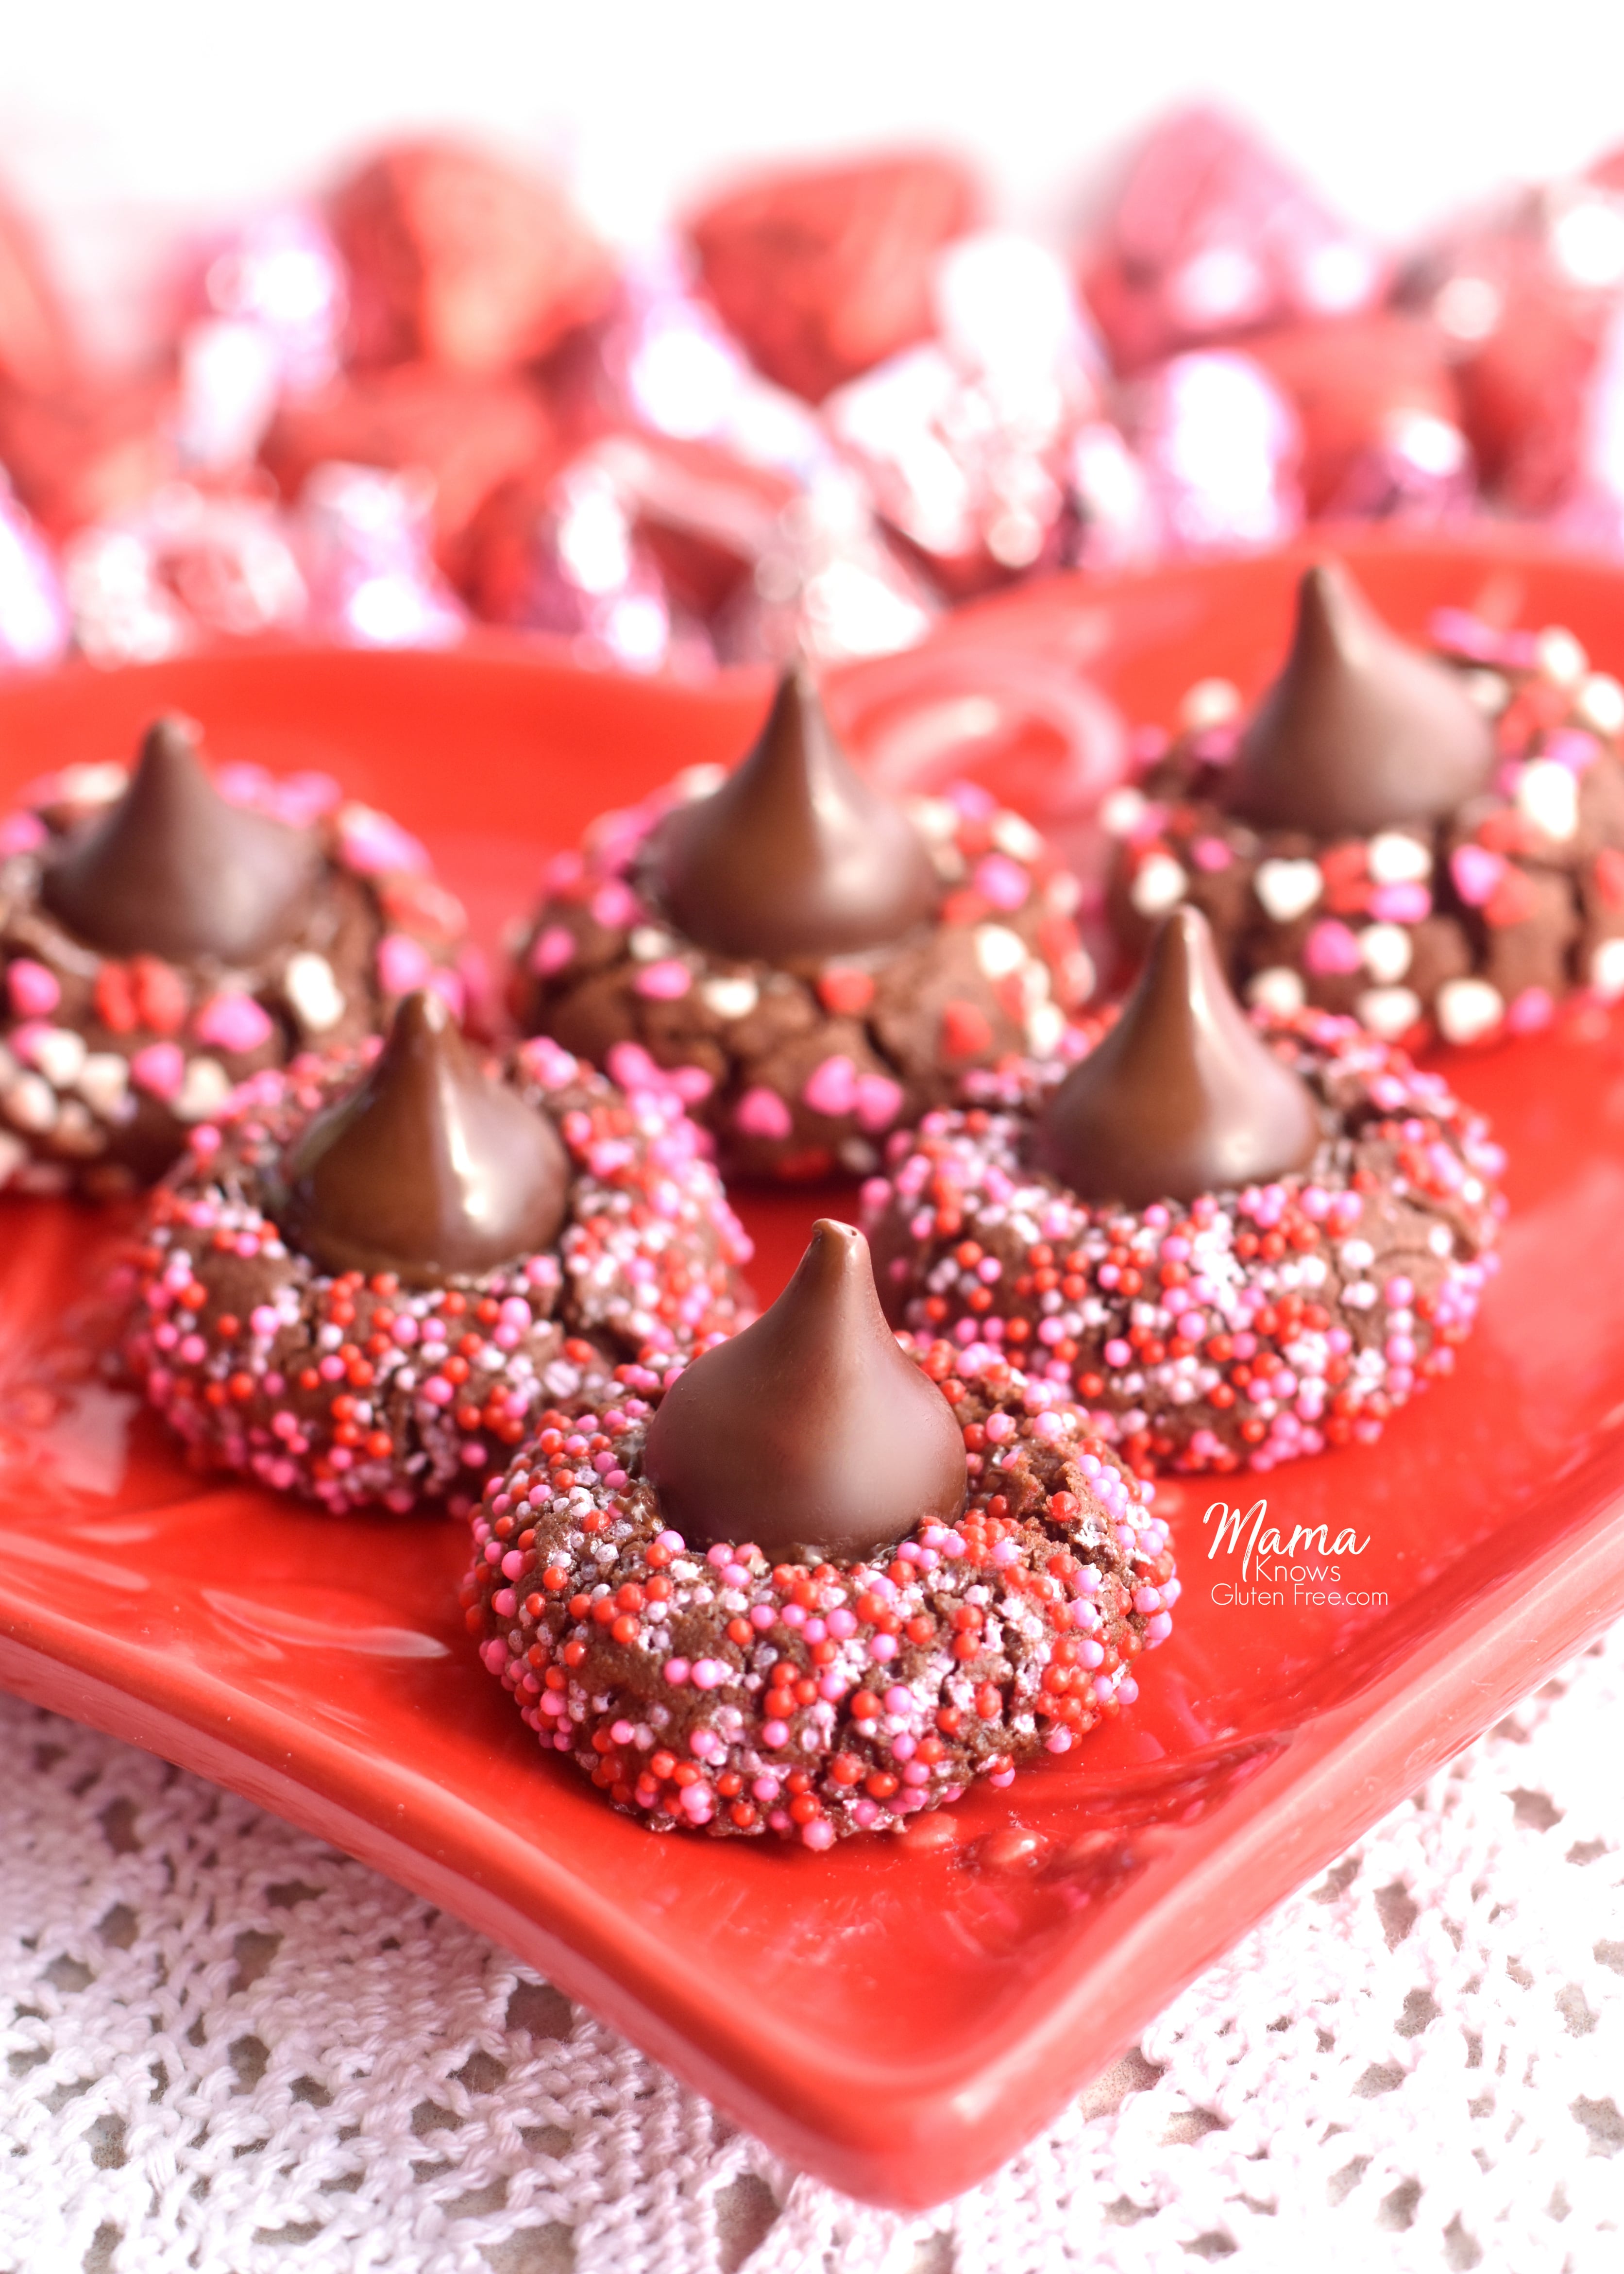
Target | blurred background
(684,336)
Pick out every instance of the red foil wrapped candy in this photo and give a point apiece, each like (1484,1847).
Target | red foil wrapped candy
(1219,445)
(1211,236)
(1376,402)
(824,271)
(460,259)
(963,440)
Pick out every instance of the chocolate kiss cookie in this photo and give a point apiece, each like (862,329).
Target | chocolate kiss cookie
(810,1433)
(805,964)
(1360,732)
(602,1235)
(795,853)
(1182,1096)
(429,1169)
(731,1693)
(176,870)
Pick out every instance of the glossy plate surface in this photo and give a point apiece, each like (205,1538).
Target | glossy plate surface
(898,2016)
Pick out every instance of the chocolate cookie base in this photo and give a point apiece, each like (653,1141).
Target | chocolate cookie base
(1468,928)
(799,1069)
(107,1062)
(1246,1328)
(351,1390)
(720,1693)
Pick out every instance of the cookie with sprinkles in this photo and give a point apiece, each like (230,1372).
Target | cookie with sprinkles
(371,1273)
(1232,1241)
(164,933)
(806,963)
(745,1612)
(1433,843)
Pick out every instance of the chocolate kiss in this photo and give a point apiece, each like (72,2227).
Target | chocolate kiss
(1182,1097)
(176,870)
(810,1433)
(1359,732)
(426,1169)
(795,853)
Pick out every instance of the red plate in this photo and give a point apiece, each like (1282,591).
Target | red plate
(898,2016)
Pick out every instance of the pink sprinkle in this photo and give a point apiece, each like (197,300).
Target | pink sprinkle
(614,906)
(762,1112)
(1476,871)
(1531,1012)
(233,1022)
(832,1088)
(159,1070)
(879,1101)
(448,986)
(33,988)
(774,1734)
(1401,903)
(1571,747)
(1211,853)
(817,1835)
(630,1065)
(676,1671)
(1331,947)
(374,846)
(22,832)
(707,1674)
(554,949)
(1118,1353)
(402,963)
(897,1700)
(1002,881)
(663,982)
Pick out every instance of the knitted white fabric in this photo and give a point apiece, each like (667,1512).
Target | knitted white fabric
(226,2050)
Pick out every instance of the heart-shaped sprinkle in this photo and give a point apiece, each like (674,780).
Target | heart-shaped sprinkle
(832,1088)
(1467,1009)
(762,1112)
(1331,949)
(1288,889)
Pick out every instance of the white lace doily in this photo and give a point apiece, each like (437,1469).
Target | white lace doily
(227,2050)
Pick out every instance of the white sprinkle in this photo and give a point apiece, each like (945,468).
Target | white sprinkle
(204,1091)
(998,950)
(1159,886)
(1278,988)
(1601,703)
(1210,703)
(1386,950)
(1607,970)
(1063,892)
(1468,1008)
(649,943)
(1122,812)
(935,819)
(312,992)
(58,1053)
(1045,1026)
(1387,1011)
(1013,833)
(1394,858)
(1561,658)
(1440,1239)
(700,781)
(76,1132)
(30,1103)
(1548,795)
(1288,889)
(729,999)
(103,1080)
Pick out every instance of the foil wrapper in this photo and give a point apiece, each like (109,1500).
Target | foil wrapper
(269,306)
(1527,298)
(964,441)
(181,571)
(366,542)
(822,272)
(458,435)
(35,623)
(565,556)
(1379,413)
(1219,445)
(1115,521)
(826,585)
(459,260)
(1211,236)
